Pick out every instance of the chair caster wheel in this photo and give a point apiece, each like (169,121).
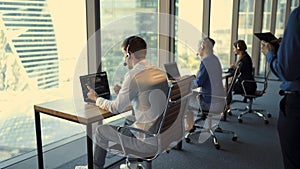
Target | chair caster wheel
(192,129)
(269,115)
(234,138)
(187,140)
(217,146)
(266,122)
(240,120)
(178,146)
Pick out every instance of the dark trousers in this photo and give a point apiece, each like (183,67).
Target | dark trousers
(104,132)
(289,130)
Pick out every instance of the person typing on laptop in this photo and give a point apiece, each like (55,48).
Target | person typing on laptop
(144,87)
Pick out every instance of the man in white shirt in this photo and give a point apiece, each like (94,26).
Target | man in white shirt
(145,88)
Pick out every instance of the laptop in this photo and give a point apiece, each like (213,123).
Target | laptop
(97,81)
(225,69)
(172,71)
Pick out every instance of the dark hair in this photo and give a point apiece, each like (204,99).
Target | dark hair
(240,45)
(211,41)
(136,45)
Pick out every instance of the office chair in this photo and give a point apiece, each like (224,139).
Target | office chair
(170,126)
(258,93)
(213,116)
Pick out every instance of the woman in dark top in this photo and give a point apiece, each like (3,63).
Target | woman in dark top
(246,69)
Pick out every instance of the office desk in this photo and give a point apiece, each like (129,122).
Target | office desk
(80,112)
(226,76)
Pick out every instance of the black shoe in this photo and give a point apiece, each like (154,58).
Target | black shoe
(203,116)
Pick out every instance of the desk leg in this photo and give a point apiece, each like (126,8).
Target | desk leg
(39,139)
(89,140)
(226,86)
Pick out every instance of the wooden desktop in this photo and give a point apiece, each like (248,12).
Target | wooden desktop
(76,111)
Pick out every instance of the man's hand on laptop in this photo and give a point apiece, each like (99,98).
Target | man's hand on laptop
(92,94)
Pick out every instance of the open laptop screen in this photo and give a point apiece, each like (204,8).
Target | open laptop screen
(97,81)
(172,70)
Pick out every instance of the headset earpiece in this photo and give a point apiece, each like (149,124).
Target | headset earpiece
(237,46)
(127,52)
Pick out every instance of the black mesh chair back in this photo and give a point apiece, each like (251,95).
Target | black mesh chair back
(169,128)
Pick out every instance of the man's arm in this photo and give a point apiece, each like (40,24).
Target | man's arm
(120,103)
(285,63)
(202,76)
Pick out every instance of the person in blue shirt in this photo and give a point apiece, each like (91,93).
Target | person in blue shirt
(285,64)
(209,76)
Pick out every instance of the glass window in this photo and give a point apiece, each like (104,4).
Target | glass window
(120,19)
(294,4)
(220,28)
(40,43)
(245,27)
(267,16)
(280,18)
(266,28)
(188,32)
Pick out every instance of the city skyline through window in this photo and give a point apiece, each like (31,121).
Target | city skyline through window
(40,44)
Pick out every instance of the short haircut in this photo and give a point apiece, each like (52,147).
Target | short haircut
(210,40)
(240,45)
(136,45)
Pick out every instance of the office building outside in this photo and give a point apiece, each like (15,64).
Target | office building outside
(28,61)
(28,39)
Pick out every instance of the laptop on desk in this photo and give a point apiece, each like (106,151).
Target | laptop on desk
(172,71)
(98,82)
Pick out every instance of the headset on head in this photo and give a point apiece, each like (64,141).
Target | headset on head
(127,48)
(127,55)
(237,46)
(241,45)
(127,51)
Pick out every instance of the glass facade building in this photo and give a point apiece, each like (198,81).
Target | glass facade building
(28,36)
(34,68)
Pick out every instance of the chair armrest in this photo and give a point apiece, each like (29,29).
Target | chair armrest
(136,130)
(124,151)
(252,81)
(249,81)
(243,85)
(214,96)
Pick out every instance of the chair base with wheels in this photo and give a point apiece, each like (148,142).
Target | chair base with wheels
(251,97)
(258,112)
(210,128)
